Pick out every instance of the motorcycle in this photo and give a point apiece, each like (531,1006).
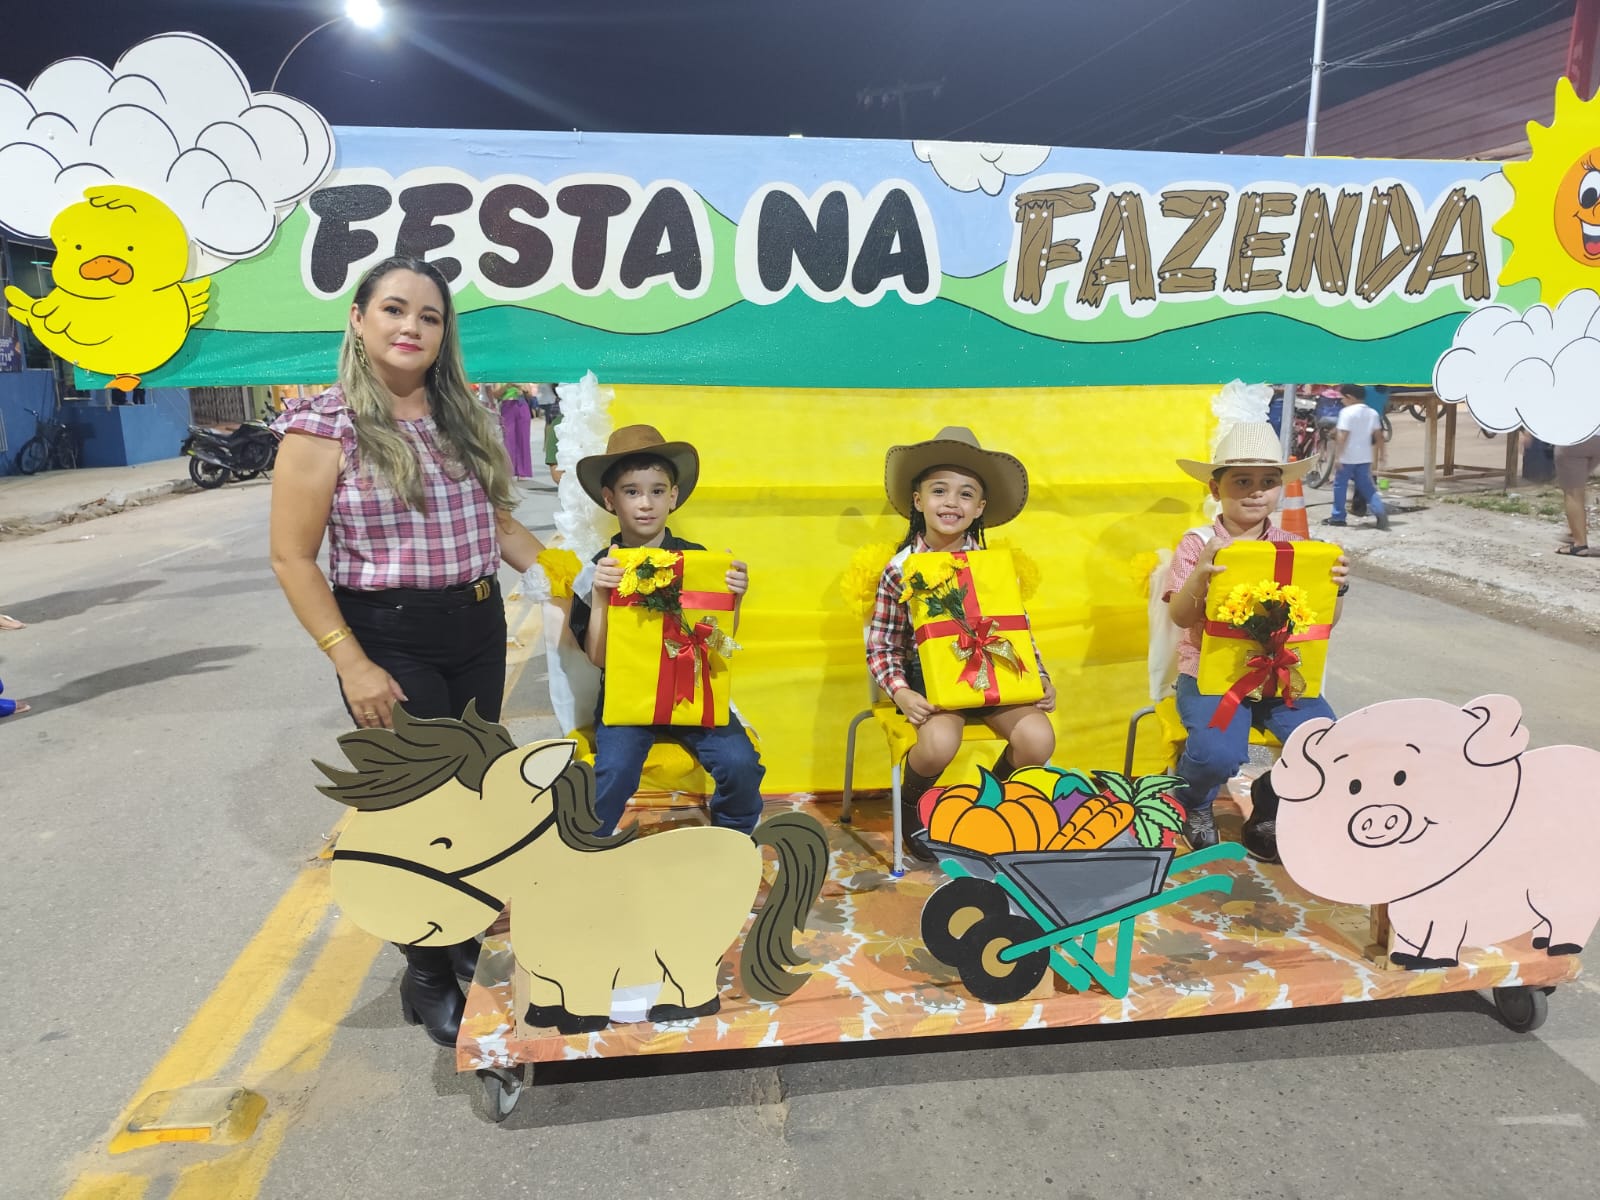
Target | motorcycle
(215,456)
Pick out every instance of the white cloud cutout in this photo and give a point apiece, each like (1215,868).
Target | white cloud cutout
(175,117)
(1540,368)
(968,166)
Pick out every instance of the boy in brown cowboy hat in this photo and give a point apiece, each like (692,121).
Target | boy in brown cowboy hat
(642,478)
(1245,477)
(950,489)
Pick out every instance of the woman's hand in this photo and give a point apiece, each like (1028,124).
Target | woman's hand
(607,575)
(371,693)
(914,705)
(1047,703)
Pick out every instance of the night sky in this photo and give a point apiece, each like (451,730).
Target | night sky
(1197,75)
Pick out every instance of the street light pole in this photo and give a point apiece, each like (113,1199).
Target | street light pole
(364,14)
(1286,414)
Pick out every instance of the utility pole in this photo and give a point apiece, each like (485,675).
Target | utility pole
(1286,416)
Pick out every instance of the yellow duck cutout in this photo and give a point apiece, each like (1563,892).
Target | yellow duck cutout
(120,306)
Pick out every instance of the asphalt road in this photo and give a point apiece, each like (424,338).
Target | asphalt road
(160,813)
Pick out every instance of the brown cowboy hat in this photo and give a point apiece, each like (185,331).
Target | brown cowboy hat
(639,439)
(1247,444)
(1005,479)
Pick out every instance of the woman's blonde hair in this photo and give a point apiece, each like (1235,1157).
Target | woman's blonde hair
(468,433)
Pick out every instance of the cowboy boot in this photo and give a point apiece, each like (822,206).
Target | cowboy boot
(464,960)
(429,994)
(912,786)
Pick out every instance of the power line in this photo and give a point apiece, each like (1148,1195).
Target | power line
(1072,70)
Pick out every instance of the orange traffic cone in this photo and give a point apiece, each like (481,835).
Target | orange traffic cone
(1292,511)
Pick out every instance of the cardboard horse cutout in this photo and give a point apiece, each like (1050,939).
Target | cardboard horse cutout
(1443,813)
(454,821)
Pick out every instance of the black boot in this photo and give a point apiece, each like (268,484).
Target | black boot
(1260,833)
(464,960)
(912,786)
(1002,766)
(429,994)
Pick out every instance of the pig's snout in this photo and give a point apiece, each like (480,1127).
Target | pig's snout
(1379,825)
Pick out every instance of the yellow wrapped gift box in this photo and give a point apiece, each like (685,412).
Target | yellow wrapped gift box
(1230,657)
(971,632)
(662,668)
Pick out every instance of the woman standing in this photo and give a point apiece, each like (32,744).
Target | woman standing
(403,471)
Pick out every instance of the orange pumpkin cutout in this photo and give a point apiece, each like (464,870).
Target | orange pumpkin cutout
(993,818)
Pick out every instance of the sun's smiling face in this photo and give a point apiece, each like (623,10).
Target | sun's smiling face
(1577,210)
(1554,222)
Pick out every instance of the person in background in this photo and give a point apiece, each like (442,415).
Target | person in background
(1574,465)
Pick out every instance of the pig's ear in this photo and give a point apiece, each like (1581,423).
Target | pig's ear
(1499,736)
(1297,775)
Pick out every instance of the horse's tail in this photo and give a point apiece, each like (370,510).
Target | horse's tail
(802,849)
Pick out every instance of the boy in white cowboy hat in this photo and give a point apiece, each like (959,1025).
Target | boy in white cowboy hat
(642,478)
(1245,478)
(950,489)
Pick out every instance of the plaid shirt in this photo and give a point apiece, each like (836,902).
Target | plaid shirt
(890,640)
(374,540)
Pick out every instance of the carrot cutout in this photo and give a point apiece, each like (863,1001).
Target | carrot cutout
(1143,804)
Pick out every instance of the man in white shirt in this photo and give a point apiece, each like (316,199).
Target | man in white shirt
(1360,445)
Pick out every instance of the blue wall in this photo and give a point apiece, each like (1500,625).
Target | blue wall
(118,436)
(20,391)
(125,434)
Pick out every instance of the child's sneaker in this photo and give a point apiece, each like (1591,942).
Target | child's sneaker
(1200,829)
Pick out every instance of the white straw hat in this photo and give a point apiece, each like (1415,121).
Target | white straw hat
(1247,444)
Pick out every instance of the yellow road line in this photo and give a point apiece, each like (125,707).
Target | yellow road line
(296,1045)
(220,1024)
(108,1187)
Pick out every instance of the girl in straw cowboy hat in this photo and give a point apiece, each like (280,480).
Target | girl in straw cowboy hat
(1245,476)
(950,489)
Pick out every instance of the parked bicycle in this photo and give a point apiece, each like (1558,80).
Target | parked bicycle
(1314,441)
(53,446)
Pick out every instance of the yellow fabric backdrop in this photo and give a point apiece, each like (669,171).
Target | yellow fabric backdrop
(792,482)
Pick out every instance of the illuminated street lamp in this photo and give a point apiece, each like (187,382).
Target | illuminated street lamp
(363,14)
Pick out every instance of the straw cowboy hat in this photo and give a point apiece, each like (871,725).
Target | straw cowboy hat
(1005,479)
(639,439)
(1247,444)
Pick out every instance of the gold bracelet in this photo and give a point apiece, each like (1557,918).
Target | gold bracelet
(329,640)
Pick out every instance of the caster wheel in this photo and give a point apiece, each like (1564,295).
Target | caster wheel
(1522,1009)
(501,1089)
(952,910)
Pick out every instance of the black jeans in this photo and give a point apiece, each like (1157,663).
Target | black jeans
(443,648)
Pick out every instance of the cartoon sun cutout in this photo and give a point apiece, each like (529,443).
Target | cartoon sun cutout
(1554,222)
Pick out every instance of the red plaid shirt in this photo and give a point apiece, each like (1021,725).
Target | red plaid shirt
(374,540)
(889,635)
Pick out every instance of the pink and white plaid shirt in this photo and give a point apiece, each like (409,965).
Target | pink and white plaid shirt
(374,540)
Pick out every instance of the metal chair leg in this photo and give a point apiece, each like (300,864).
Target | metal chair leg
(850,764)
(898,830)
(1133,733)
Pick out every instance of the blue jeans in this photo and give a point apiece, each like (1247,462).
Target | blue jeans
(1361,475)
(1213,756)
(724,751)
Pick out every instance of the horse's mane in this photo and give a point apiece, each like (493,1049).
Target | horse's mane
(395,767)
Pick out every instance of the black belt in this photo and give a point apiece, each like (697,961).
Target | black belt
(456,595)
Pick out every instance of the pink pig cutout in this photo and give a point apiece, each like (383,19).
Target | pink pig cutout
(1445,815)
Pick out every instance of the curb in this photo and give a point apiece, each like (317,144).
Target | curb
(115,501)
